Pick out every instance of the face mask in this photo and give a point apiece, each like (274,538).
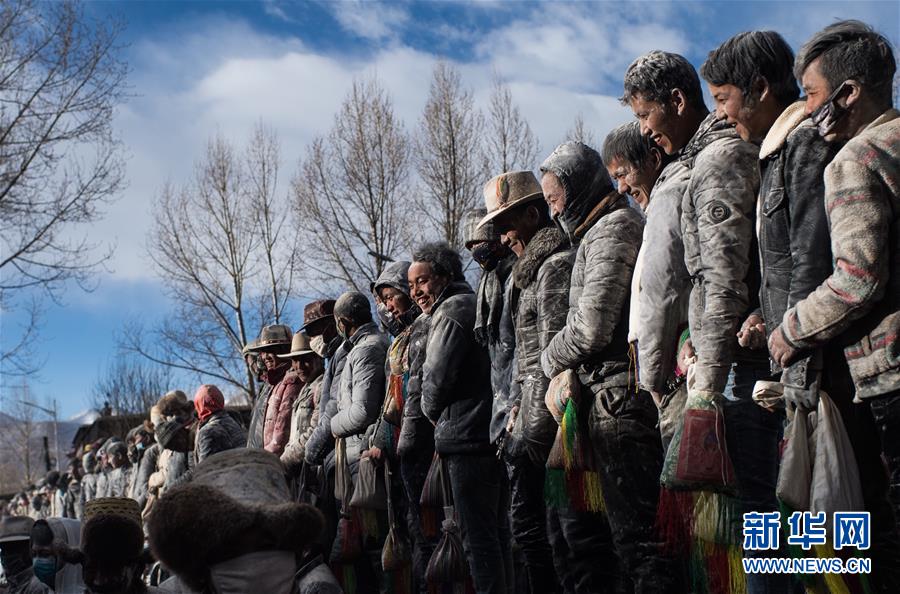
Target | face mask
(829,114)
(140,446)
(45,570)
(13,564)
(387,319)
(318,346)
(340,329)
(488,254)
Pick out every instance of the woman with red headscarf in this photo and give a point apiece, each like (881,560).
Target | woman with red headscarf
(217,431)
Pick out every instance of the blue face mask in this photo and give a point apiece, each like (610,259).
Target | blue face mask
(45,570)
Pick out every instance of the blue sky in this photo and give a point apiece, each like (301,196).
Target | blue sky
(201,68)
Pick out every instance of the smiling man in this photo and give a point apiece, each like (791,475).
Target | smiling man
(456,398)
(661,284)
(717,217)
(847,71)
(751,79)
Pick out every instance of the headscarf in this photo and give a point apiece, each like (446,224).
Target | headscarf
(208,400)
(583,175)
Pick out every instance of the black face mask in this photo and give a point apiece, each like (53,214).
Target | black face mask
(488,254)
(397,324)
(829,114)
(13,564)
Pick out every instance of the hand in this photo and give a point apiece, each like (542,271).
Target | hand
(753,333)
(513,413)
(373,453)
(782,353)
(686,356)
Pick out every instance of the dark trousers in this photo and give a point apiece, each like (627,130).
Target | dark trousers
(481,498)
(583,552)
(753,435)
(529,523)
(413,470)
(629,459)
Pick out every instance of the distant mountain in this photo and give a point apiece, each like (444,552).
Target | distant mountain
(12,458)
(85,417)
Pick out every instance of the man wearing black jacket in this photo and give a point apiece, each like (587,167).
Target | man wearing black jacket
(456,398)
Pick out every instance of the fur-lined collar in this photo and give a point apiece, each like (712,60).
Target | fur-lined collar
(546,242)
(789,119)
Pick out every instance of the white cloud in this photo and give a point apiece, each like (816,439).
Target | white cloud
(370,20)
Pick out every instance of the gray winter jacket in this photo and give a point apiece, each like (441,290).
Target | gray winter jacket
(717,219)
(665,282)
(321,442)
(361,388)
(218,433)
(456,376)
(541,302)
(607,232)
(142,478)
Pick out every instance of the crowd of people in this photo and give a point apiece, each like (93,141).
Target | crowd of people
(653,321)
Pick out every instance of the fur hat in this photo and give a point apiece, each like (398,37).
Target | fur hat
(220,516)
(174,403)
(111,532)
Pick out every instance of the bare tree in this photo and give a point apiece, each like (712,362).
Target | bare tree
(279,245)
(19,454)
(203,244)
(352,192)
(510,143)
(60,164)
(580,132)
(130,385)
(451,159)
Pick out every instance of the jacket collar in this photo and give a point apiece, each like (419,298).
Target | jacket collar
(609,201)
(454,288)
(710,130)
(545,243)
(891,114)
(786,123)
(362,332)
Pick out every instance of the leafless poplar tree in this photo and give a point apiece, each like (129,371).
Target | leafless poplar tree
(278,241)
(60,80)
(19,453)
(510,143)
(580,132)
(352,192)
(130,385)
(451,159)
(208,250)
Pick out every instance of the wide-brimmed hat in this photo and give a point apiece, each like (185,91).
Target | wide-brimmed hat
(250,347)
(15,528)
(509,190)
(473,229)
(317,310)
(299,346)
(275,335)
